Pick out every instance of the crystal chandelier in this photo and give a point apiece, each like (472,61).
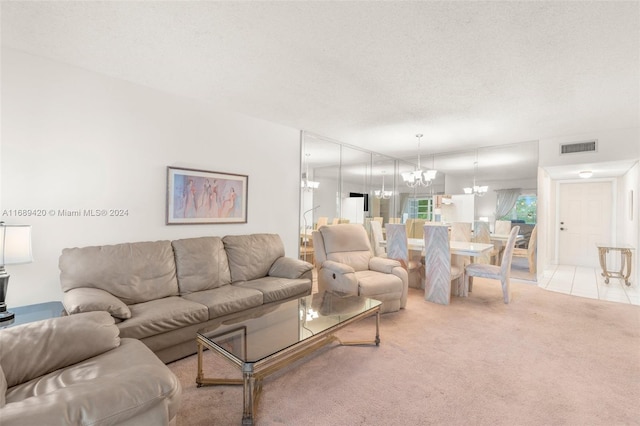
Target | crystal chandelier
(419,177)
(382,194)
(308,185)
(476,189)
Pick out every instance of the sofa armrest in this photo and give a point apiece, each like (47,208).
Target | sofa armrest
(34,349)
(381,264)
(288,267)
(85,299)
(337,267)
(338,277)
(150,392)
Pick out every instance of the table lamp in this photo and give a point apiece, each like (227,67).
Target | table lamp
(15,248)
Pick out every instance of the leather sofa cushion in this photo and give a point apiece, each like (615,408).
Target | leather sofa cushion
(227,299)
(347,243)
(162,315)
(34,349)
(274,289)
(114,387)
(251,256)
(133,272)
(201,264)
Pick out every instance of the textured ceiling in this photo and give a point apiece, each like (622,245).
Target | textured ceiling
(371,74)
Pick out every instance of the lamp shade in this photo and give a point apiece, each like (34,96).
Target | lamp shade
(15,244)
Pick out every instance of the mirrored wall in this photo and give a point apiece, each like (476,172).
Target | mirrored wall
(342,183)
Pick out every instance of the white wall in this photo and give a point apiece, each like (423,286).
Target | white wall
(628,219)
(73,139)
(613,145)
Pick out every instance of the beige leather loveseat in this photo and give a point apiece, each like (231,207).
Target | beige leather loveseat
(75,370)
(163,292)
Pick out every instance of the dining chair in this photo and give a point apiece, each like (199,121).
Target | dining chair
(322,220)
(483,235)
(461,231)
(530,251)
(395,220)
(398,249)
(334,221)
(502,227)
(501,273)
(377,238)
(417,229)
(439,272)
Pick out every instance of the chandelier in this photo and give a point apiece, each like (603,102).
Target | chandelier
(382,194)
(308,185)
(419,177)
(476,189)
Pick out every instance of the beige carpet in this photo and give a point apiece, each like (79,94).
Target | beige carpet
(545,359)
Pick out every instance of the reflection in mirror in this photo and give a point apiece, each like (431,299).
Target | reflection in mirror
(350,184)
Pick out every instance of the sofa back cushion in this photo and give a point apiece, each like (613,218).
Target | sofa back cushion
(347,243)
(34,349)
(251,256)
(133,272)
(201,264)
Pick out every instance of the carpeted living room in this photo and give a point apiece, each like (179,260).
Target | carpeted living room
(545,358)
(376,213)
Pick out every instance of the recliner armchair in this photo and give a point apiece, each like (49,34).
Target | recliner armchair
(345,263)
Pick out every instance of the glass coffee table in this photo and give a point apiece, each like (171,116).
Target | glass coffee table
(278,335)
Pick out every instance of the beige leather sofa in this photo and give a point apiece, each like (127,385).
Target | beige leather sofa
(75,370)
(346,263)
(163,292)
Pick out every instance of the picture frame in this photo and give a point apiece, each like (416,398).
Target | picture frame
(233,341)
(205,197)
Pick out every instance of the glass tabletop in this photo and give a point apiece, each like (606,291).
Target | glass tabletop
(277,327)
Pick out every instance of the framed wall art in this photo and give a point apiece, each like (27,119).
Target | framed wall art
(200,196)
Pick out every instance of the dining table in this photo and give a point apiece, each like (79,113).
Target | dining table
(457,248)
(460,248)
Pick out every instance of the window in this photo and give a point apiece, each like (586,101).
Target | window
(524,211)
(420,208)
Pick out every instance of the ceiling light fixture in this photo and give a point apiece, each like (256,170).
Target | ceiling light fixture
(382,194)
(585,174)
(419,177)
(476,189)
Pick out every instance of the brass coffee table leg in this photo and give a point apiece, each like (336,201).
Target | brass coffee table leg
(249,396)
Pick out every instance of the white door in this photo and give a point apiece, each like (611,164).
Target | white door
(585,219)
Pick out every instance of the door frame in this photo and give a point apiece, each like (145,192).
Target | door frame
(614,210)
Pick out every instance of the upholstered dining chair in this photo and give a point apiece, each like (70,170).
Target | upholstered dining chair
(322,220)
(377,238)
(439,272)
(482,234)
(502,227)
(398,249)
(415,228)
(461,231)
(346,264)
(530,251)
(501,273)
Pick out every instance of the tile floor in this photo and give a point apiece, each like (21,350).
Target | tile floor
(588,282)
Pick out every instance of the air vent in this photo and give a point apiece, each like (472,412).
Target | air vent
(572,148)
